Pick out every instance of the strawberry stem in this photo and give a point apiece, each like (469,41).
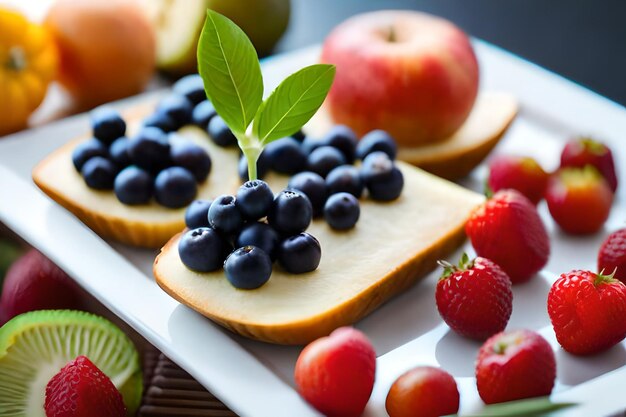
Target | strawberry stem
(601,278)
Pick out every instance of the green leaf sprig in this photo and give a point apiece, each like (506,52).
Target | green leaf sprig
(230,70)
(536,407)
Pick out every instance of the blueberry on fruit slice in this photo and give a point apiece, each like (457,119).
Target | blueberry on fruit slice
(324,159)
(262,236)
(203,113)
(384,181)
(376,140)
(161,121)
(201,249)
(224,215)
(342,138)
(345,178)
(107,124)
(36,345)
(191,156)
(248,268)
(286,155)
(176,107)
(197,214)
(314,186)
(342,211)
(87,150)
(191,87)
(220,133)
(175,187)
(254,199)
(119,152)
(291,212)
(150,149)
(99,173)
(300,253)
(133,186)
(262,166)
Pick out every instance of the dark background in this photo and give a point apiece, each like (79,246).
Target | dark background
(583,40)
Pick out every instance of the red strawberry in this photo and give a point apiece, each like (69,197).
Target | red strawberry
(335,374)
(612,255)
(579,199)
(424,391)
(475,298)
(588,311)
(583,151)
(80,389)
(508,230)
(520,173)
(515,365)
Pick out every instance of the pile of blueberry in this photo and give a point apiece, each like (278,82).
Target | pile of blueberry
(247,232)
(156,162)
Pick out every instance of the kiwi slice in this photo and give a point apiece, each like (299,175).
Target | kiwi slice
(35,346)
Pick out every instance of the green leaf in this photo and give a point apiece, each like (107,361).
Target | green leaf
(293,102)
(531,407)
(230,69)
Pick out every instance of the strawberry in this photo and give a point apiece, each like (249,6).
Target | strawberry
(612,255)
(508,230)
(579,199)
(335,374)
(424,391)
(475,298)
(515,365)
(583,151)
(80,389)
(587,311)
(520,173)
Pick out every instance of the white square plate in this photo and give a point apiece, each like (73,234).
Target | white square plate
(255,379)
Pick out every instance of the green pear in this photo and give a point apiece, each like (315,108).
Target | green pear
(178,24)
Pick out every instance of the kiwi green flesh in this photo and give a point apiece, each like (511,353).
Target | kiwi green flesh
(35,346)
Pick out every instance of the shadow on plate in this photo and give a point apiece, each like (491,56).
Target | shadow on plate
(574,370)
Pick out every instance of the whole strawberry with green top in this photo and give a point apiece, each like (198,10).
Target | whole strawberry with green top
(474,298)
(588,311)
(508,230)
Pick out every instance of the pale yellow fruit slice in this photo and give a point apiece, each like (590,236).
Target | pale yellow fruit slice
(392,246)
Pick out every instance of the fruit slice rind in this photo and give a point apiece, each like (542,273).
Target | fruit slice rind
(36,345)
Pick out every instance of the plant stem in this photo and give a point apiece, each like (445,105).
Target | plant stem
(251,166)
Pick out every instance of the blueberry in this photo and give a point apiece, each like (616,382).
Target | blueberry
(119,152)
(248,268)
(176,107)
(133,186)
(300,253)
(203,113)
(309,144)
(345,178)
(220,133)
(161,121)
(191,156)
(175,187)
(344,139)
(260,235)
(314,186)
(191,87)
(383,179)
(291,212)
(197,214)
(299,136)
(84,151)
(107,124)
(150,149)
(342,211)
(224,216)
(262,166)
(324,159)
(201,249)
(254,199)
(286,155)
(377,140)
(99,173)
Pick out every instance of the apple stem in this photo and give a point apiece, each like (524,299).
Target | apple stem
(392,34)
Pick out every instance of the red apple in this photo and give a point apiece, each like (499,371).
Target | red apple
(335,374)
(409,73)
